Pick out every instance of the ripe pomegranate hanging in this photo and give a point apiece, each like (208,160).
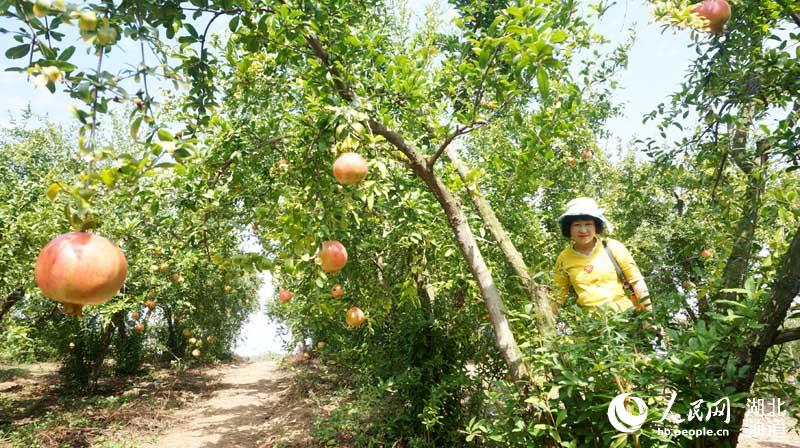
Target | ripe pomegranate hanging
(350,168)
(337,291)
(285,296)
(717,12)
(79,268)
(333,256)
(355,317)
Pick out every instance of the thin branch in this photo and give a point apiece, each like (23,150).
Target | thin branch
(720,169)
(459,131)
(322,54)
(477,101)
(203,40)
(445,143)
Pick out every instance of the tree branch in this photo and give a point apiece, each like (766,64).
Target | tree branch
(322,54)
(459,131)
(786,336)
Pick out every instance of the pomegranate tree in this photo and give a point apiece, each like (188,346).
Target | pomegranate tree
(79,268)
(333,256)
(350,168)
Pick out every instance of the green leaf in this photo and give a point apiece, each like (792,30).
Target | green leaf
(233,24)
(558,36)
(66,54)
(165,136)
(108,176)
(53,191)
(135,127)
(543,80)
(20,51)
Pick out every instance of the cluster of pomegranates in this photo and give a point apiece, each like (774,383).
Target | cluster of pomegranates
(349,168)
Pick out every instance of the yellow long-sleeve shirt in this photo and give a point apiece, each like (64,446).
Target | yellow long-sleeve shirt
(593,277)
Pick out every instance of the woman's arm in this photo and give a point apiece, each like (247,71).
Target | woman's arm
(642,294)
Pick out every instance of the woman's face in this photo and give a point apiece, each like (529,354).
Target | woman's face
(582,231)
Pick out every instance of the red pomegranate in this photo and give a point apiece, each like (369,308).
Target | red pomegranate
(355,317)
(337,291)
(333,256)
(717,12)
(79,268)
(285,296)
(139,328)
(350,168)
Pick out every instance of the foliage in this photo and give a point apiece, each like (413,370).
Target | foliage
(522,91)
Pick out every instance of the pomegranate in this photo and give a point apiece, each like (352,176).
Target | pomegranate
(337,291)
(321,345)
(283,165)
(350,168)
(192,341)
(135,315)
(355,317)
(196,353)
(333,256)
(285,296)
(210,339)
(705,253)
(79,268)
(586,153)
(139,328)
(717,12)
(187,332)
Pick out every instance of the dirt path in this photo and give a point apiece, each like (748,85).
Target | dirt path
(253,406)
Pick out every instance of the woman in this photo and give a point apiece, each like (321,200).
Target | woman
(587,267)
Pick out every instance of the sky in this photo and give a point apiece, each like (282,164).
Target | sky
(657,63)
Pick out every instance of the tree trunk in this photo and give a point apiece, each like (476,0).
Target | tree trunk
(536,292)
(458,223)
(105,342)
(469,248)
(11,300)
(172,337)
(736,268)
(784,290)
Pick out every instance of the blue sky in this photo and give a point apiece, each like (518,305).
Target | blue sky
(657,64)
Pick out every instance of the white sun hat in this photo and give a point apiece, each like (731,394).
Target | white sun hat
(586,207)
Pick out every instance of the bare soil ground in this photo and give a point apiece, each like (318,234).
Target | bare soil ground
(253,404)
